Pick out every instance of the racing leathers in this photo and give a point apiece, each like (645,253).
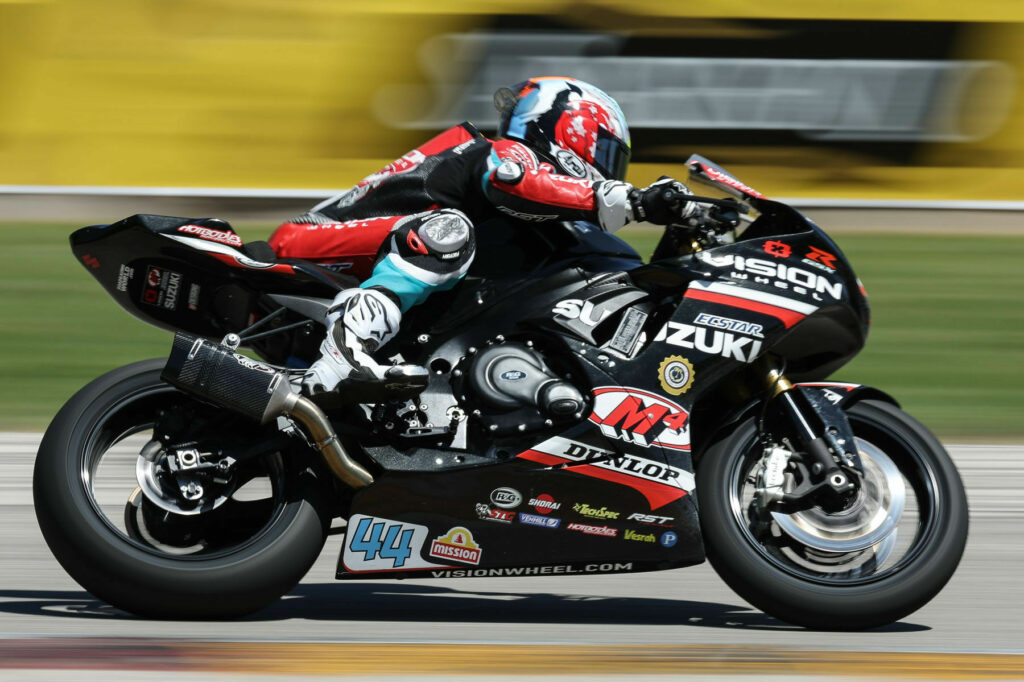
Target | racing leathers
(407,231)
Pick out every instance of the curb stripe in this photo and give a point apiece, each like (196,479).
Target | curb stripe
(491,659)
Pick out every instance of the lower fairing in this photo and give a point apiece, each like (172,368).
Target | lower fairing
(513,519)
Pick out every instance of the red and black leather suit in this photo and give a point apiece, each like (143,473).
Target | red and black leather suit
(375,231)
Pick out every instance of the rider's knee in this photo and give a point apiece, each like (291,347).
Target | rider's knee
(441,242)
(426,252)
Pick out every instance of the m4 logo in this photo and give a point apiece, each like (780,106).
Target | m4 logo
(641,417)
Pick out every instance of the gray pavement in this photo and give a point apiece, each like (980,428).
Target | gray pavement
(977,612)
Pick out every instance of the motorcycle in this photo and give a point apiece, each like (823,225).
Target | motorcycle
(584,413)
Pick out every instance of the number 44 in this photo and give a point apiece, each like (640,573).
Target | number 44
(396,545)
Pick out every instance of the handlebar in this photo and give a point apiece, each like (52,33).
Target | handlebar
(673,195)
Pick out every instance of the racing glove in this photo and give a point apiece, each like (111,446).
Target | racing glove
(662,202)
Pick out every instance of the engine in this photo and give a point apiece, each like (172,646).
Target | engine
(509,388)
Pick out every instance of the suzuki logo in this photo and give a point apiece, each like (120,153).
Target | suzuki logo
(574,308)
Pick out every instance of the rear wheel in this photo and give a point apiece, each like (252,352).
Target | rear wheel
(882,557)
(168,507)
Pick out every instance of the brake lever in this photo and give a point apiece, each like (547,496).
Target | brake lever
(739,207)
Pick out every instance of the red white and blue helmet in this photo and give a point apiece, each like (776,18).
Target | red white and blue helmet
(568,121)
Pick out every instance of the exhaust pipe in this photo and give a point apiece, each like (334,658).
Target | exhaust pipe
(320,430)
(259,392)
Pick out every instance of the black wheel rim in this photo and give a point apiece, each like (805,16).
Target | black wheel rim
(917,527)
(105,472)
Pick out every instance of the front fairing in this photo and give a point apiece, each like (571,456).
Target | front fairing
(783,275)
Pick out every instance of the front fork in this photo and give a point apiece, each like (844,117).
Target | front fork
(820,433)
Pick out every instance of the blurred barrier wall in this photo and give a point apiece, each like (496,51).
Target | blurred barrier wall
(874,99)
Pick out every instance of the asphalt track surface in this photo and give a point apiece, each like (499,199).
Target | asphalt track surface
(674,623)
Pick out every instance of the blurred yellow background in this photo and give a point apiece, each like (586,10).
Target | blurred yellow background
(311,93)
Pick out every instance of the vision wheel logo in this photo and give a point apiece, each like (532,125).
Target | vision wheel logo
(675,374)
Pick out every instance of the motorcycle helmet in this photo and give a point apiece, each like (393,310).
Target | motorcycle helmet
(570,122)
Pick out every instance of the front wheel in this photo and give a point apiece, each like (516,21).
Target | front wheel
(868,565)
(167,507)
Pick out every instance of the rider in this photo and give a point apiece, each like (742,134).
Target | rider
(561,154)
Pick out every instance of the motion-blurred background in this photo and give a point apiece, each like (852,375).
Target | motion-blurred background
(915,101)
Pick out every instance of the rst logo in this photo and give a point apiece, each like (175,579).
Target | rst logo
(651,518)
(710,341)
(640,417)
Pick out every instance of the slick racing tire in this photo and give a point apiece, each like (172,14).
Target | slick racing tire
(230,555)
(839,571)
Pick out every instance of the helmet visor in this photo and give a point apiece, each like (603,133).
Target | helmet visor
(611,156)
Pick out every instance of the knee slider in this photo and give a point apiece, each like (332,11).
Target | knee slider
(444,237)
(445,233)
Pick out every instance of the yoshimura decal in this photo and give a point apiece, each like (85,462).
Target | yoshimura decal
(456,545)
(776,273)
(533,570)
(675,374)
(377,544)
(710,341)
(574,308)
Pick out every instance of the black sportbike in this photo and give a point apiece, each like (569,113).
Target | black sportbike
(585,413)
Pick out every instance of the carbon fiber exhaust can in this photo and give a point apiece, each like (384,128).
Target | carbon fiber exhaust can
(223,377)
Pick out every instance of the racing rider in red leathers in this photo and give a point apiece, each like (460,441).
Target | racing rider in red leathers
(407,230)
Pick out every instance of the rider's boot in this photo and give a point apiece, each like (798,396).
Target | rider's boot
(358,323)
